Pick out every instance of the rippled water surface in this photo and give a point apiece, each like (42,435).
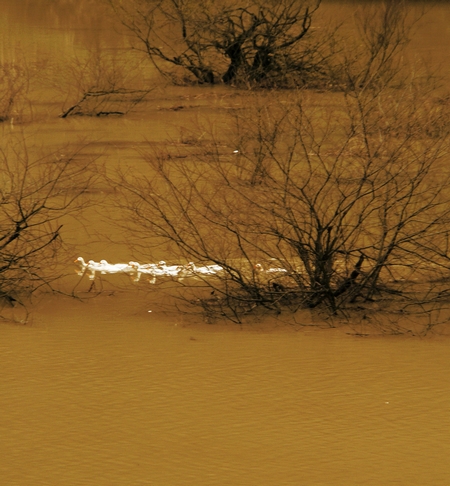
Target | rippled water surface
(103,392)
(92,396)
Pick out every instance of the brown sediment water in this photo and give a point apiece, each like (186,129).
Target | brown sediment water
(119,390)
(105,392)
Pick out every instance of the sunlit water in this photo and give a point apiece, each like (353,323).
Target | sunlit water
(104,392)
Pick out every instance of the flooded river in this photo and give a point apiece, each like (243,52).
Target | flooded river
(118,390)
(106,393)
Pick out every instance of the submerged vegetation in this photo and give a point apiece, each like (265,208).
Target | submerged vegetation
(272,44)
(314,207)
(35,194)
(101,84)
(328,192)
(335,201)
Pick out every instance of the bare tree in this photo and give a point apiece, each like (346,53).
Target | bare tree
(267,43)
(378,59)
(36,194)
(271,44)
(319,207)
(16,83)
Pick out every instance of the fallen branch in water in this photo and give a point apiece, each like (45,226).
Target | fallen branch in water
(105,102)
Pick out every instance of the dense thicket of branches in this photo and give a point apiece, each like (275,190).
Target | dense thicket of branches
(35,194)
(267,43)
(316,202)
(263,42)
(320,206)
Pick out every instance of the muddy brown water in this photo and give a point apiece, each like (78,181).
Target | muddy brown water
(101,391)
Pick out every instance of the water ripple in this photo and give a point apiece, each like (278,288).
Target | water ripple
(95,399)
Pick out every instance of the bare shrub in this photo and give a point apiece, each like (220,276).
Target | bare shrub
(15,78)
(259,43)
(102,83)
(332,207)
(13,88)
(378,57)
(36,193)
(270,44)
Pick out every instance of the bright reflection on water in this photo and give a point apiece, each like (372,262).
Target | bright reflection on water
(93,395)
